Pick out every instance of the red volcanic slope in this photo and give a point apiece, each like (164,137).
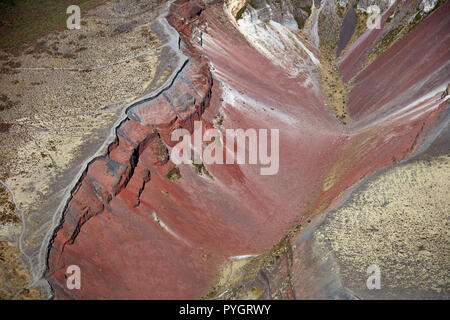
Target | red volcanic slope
(136,234)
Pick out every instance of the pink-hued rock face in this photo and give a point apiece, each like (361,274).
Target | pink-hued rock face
(134,233)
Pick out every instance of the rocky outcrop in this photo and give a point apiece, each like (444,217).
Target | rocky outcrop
(134,233)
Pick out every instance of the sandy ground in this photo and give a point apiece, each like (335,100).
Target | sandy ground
(399,222)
